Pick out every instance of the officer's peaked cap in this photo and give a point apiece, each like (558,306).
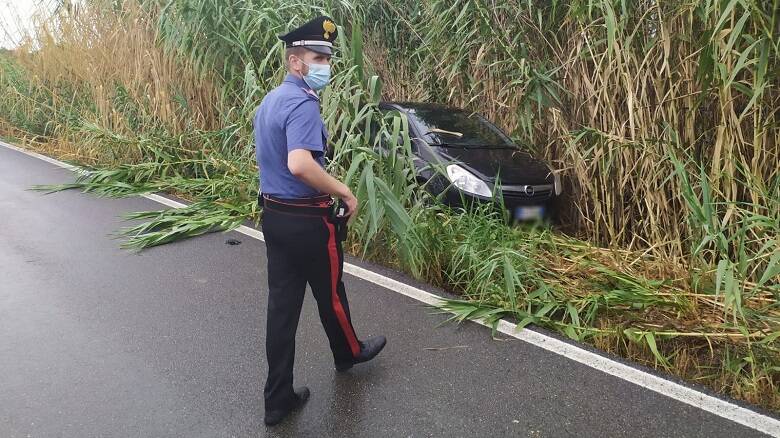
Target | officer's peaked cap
(317,35)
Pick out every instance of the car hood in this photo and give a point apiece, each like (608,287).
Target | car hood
(513,166)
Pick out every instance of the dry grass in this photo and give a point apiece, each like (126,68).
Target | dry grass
(115,61)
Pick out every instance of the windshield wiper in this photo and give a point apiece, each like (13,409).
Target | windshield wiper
(442,131)
(496,146)
(473,146)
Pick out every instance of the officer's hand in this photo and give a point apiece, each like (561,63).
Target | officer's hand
(352,206)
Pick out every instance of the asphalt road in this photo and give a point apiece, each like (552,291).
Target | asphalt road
(101,342)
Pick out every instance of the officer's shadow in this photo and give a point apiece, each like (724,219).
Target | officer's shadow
(345,410)
(350,390)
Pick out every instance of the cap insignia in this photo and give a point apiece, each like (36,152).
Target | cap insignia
(329,28)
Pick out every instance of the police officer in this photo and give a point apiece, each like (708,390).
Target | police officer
(303,234)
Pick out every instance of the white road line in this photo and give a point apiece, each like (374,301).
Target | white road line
(690,396)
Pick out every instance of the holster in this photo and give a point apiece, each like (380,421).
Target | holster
(339,221)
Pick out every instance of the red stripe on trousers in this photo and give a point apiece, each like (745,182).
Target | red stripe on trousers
(334,280)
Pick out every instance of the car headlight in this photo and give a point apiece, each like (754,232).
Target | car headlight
(558,185)
(466,181)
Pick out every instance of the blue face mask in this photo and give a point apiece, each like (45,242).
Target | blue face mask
(318,77)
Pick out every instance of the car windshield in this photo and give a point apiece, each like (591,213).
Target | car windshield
(458,128)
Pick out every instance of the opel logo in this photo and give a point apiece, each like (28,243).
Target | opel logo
(529,190)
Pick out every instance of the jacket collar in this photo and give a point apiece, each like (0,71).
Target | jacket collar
(295,80)
(300,83)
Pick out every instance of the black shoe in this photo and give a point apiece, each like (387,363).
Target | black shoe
(368,350)
(276,416)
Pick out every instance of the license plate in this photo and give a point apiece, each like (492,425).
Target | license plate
(526,213)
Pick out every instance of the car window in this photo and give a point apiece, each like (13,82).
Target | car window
(457,127)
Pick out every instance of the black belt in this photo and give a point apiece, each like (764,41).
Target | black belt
(314,206)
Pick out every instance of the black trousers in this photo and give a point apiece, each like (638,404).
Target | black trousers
(302,246)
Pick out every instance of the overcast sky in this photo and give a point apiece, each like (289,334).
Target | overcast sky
(15,15)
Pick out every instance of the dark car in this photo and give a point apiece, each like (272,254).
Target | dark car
(477,161)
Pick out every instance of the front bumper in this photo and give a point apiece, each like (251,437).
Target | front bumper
(512,196)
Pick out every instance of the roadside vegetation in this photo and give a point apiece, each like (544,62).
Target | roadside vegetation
(662,118)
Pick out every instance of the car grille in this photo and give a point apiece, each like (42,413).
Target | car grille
(540,194)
